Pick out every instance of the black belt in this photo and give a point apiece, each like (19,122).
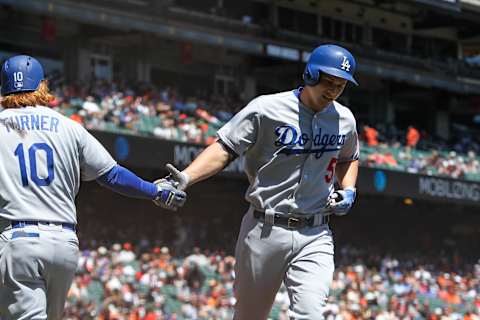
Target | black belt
(291,222)
(21,224)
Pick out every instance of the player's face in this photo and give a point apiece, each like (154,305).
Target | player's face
(329,88)
(319,96)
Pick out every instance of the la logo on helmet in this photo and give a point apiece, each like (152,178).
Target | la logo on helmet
(345,64)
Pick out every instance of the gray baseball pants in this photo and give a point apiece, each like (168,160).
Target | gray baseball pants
(266,255)
(37,266)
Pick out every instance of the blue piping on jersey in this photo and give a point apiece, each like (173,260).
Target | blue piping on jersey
(318,152)
(123,181)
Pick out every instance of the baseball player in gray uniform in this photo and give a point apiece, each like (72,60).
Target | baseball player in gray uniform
(296,144)
(44,157)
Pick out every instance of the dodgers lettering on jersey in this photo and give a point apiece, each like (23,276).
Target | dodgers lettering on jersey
(291,151)
(44,157)
(289,136)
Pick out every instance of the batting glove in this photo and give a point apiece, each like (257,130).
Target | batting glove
(168,196)
(341,201)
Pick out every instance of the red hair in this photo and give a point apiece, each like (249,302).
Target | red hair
(41,96)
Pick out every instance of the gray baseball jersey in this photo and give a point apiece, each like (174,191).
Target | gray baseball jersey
(291,151)
(44,157)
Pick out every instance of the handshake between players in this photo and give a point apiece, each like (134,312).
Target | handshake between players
(172,193)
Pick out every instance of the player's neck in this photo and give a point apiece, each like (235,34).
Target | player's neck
(311,101)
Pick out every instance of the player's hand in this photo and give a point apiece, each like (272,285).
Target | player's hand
(179,179)
(168,196)
(341,201)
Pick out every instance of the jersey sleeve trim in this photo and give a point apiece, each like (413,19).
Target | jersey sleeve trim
(231,152)
(347,160)
(227,144)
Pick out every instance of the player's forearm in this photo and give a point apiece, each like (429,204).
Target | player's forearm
(347,173)
(125,182)
(212,160)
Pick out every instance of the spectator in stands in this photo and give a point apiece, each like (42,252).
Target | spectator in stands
(382,158)
(413,136)
(167,130)
(390,160)
(90,105)
(371,136)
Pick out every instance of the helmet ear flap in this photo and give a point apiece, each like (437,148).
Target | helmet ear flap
(310,78)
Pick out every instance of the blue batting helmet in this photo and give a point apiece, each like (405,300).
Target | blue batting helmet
(21,74)
(330,59)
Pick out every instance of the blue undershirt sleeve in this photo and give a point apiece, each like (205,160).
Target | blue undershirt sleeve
(125,182)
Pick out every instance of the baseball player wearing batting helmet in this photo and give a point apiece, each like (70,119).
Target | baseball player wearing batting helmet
(44,157)
(296,144)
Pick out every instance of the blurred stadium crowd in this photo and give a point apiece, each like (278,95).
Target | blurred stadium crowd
(166,114)
(147,282)
(417,152)
(163,112)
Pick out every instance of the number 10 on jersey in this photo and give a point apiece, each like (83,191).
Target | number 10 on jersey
(32,158)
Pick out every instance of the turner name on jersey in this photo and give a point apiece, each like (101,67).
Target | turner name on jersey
(30,122)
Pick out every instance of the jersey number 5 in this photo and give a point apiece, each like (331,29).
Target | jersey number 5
(331,170)
(32,155)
